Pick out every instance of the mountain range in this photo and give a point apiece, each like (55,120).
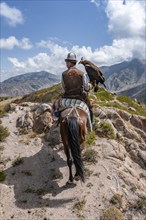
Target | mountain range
(128,78)
(26,83)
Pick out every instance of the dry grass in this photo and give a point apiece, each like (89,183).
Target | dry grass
(112,213)
(117,200)
(19,160)
(79,205)
(90,155)
(4,133)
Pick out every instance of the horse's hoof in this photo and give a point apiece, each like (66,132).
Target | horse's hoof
(69,182)
(77,178)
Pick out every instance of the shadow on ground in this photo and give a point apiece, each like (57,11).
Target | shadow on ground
(33,180)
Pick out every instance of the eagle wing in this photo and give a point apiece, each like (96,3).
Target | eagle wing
(93,72)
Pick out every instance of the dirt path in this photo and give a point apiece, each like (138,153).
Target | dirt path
(35,188)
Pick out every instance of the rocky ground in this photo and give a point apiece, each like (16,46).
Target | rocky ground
(36,170)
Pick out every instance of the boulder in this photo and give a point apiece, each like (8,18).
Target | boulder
(42,122)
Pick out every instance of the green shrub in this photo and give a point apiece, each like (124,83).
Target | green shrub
(2,176)
(4,108)
(4,133)
(139,109)
(105,129)
(90,138)
(103,95)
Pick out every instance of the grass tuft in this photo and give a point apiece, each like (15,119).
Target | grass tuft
(90,155)
(79,205)
(2,176)
(112,213)
(4,133)
(90,138)
(19,160)
(105,129)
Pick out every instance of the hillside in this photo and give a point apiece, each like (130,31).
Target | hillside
(128,76)
(27,83)
(138,92)
(34,170)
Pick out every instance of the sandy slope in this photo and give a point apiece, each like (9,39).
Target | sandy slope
(31,193)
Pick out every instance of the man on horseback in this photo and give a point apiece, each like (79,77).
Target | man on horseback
(75,116)
(75,82)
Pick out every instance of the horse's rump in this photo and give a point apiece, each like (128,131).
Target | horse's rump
(81,119)
(76,105)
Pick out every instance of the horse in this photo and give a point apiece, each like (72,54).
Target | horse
(73,129)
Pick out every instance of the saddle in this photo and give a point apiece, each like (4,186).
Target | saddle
(64,103)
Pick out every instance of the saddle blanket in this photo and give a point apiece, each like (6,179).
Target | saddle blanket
(65,103)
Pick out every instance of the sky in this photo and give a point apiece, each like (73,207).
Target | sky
(37,35)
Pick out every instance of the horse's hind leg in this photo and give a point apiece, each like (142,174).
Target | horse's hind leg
(69,163)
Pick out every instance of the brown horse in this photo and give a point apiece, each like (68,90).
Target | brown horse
(73,128)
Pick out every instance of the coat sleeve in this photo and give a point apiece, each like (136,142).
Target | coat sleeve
(86,82)
(62,84)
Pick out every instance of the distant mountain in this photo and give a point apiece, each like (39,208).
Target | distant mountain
(27,83)
(138,92)
(127,78)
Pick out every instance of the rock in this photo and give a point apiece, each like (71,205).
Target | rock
(28,121)
(53,135)
(136,154)
(41,109)
(111,114)
(131,134)
(20,121)
(124,115)
(132,109)
(143,121)
(142,156)
(42,122)
(100,113)
(13,106)
(119,124)
(136,122)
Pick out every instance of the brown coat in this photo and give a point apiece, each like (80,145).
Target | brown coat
(72,80)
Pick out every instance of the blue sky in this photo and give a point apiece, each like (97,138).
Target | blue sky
(37,35)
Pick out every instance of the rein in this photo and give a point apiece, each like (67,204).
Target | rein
(72,109)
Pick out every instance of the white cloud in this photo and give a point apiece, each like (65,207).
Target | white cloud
(126,20)
(120,50)
(41,61)
(96,2)
(12,15)
(11,42)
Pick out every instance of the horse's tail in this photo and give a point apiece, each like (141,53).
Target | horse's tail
(74,143)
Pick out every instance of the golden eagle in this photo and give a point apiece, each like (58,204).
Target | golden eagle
(94,73)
